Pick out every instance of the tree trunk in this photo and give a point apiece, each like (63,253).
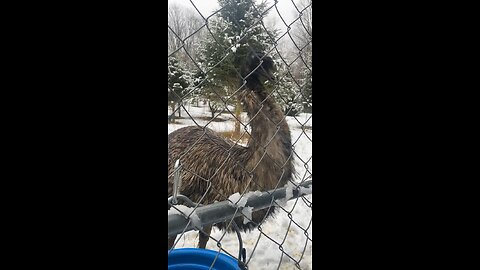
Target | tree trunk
(211,109)
(238,111)
(172,105)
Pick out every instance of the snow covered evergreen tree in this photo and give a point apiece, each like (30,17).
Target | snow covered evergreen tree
(307,87)
(302,31)
(177,85)
(236,32)
(287,92)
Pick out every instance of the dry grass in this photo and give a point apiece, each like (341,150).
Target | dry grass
(240,137)
(216,119)
(307,127)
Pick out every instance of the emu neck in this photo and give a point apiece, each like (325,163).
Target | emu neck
(269,133)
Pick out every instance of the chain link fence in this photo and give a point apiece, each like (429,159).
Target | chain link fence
(239,124)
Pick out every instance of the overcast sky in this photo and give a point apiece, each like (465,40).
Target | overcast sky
(207,7)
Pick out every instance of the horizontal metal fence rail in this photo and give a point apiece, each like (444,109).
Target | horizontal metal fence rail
(225,210)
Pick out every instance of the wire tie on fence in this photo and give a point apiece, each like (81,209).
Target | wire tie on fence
(242,251)
(177,181)
(242,264)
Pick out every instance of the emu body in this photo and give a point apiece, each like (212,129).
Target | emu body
(214,168)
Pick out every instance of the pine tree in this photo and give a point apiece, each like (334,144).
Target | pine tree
(302,31)
(307,89)
(236,32)
(286,91)
(177,84)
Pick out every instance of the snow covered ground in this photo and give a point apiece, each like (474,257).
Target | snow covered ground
(262,252)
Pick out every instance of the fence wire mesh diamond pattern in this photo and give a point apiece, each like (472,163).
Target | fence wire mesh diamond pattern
(239,124)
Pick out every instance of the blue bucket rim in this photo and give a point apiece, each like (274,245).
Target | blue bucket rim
(197,256)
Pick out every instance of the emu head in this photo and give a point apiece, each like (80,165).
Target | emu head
(258,68)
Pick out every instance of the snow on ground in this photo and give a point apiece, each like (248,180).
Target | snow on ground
(266,254)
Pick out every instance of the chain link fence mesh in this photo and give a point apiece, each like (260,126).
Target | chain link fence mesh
(207,49)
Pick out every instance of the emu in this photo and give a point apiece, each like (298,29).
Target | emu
(214,168)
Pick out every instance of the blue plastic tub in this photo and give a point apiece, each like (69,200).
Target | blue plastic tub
(200,259)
